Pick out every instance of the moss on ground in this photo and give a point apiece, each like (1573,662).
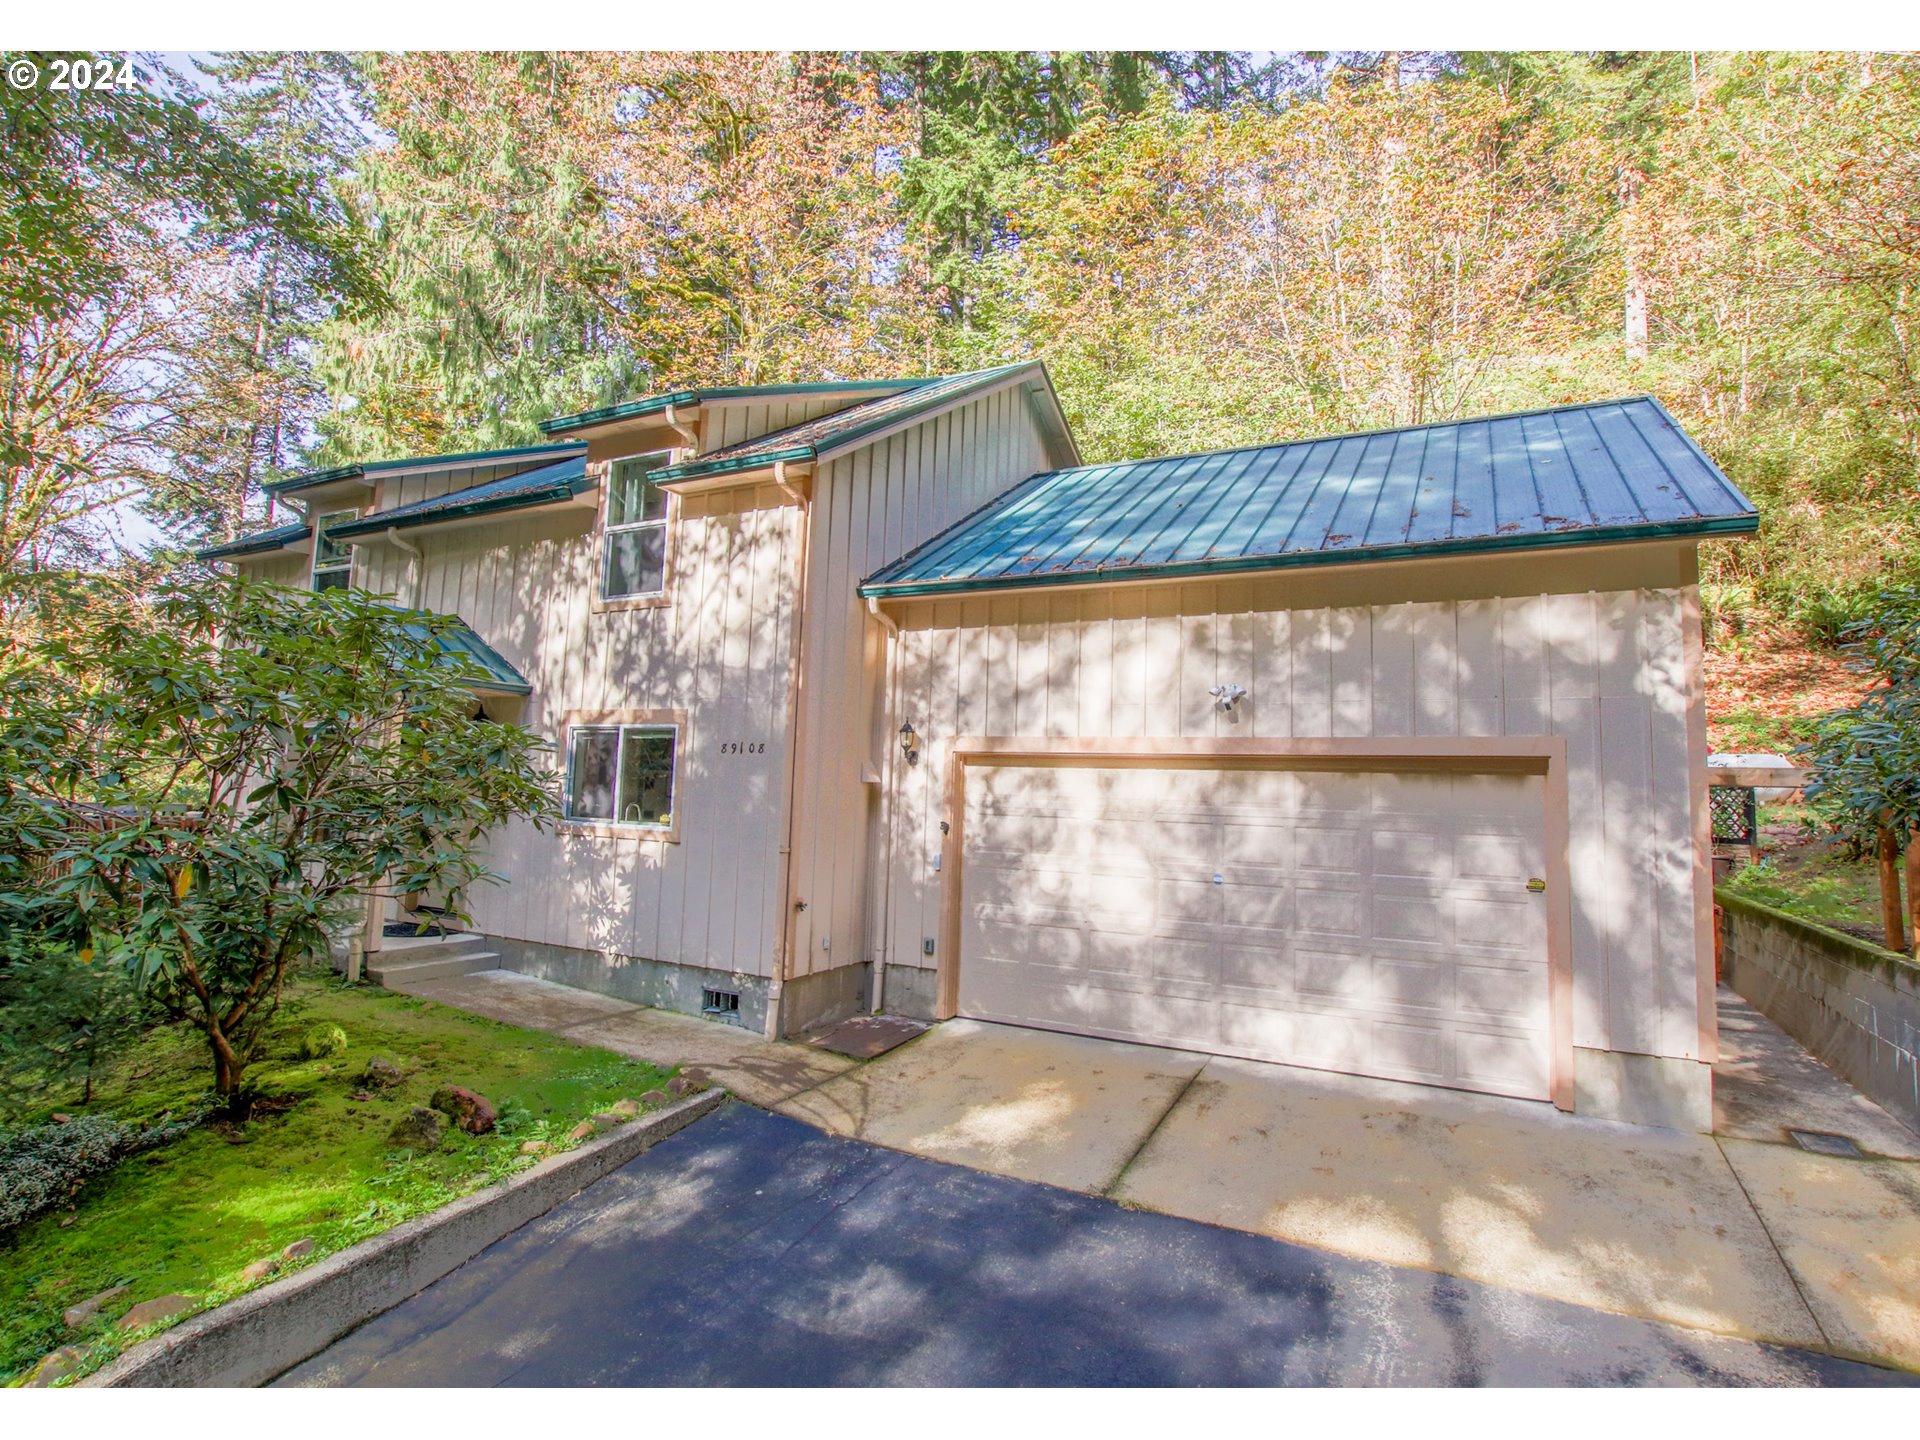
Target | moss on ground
(190,1217)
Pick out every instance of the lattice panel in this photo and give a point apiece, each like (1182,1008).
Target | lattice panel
(1735,816)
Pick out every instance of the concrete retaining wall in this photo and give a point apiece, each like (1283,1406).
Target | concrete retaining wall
(251,1339)
(1854,1005)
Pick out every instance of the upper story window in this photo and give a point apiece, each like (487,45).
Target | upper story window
(634,561)
(332,561)
(622,774)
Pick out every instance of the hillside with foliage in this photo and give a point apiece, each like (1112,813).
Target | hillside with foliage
(361,256)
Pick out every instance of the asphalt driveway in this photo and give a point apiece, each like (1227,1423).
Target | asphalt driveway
(753,1249)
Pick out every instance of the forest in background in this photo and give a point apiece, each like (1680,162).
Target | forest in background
(262,262)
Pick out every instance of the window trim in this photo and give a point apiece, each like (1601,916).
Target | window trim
(578,720)
(668,524)
(314,567)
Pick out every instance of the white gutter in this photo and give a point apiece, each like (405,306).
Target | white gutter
(889,679)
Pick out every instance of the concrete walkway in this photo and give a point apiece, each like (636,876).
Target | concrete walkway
(758,1070)
(1741,1233)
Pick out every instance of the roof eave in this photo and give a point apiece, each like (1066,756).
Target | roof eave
(373,526)
(1707,528)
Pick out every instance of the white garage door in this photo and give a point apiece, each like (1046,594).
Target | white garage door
(1371,922)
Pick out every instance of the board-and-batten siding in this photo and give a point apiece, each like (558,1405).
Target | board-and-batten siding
(1605,669)
(870,507)
(718,651)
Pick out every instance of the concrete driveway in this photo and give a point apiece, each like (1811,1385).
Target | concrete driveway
(752,1249)
(1742,1233)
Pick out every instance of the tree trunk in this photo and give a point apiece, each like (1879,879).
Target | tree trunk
(1913,889)
(1634,302)
(1890,908)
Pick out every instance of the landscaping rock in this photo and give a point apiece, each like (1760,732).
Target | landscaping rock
(534,1147)
(626,1109)
(472,1112)
(581,1131)
(380,1074)
(322,1042)
(680,1085)
(298,1250)
(695,1076)
(63,1361)
(261,1269)
(418,1129)
(79,1315)
(655,1097)
(606,1120)
(152,1312)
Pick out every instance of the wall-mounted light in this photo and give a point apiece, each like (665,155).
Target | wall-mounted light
(1225,697)
(909,744)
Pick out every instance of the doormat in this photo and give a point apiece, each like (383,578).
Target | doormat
(865,1036)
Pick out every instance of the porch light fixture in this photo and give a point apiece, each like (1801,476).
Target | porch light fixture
(909,743)
(1225,697)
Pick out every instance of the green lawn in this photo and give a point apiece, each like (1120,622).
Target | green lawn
(189,1217)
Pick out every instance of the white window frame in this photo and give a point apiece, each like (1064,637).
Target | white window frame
(672,724)
(608,530)
(316,569)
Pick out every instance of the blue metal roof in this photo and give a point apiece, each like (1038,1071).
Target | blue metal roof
(807,440)
(261,542)
(654,404)
(462,647)
(560,481)
(466,460)
(1607,471)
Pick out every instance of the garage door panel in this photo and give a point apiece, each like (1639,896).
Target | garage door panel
(1362,921)
(1319,850)
(1320,911)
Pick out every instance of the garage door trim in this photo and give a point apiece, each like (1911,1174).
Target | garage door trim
(1544,755)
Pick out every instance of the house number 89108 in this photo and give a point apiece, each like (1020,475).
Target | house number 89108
(743,747)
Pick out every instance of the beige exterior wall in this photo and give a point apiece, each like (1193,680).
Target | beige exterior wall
(1590,645)
(871,507)
(717,650)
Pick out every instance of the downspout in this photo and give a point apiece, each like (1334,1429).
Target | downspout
(413,566)
(889,674)
(686,433)
(783,949)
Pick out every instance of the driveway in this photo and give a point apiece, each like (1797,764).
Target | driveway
(753,1249)
(1742,1233)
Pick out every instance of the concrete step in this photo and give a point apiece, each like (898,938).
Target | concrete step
(395,948)
(398,974)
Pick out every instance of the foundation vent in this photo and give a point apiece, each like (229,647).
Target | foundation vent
(721,1005)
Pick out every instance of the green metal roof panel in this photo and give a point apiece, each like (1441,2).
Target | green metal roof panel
(261,542)
(543,486)
(459,640)
(465,460)
(1607,471)
(654,404)
(808,439)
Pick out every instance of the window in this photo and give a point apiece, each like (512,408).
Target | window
(622,774)
(635,560)
(332,561)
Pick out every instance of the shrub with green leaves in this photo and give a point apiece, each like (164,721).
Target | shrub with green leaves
(214,780)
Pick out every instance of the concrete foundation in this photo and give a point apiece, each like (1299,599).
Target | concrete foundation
(1643,1090)
(812,1000)
(910,991)
(628,977)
